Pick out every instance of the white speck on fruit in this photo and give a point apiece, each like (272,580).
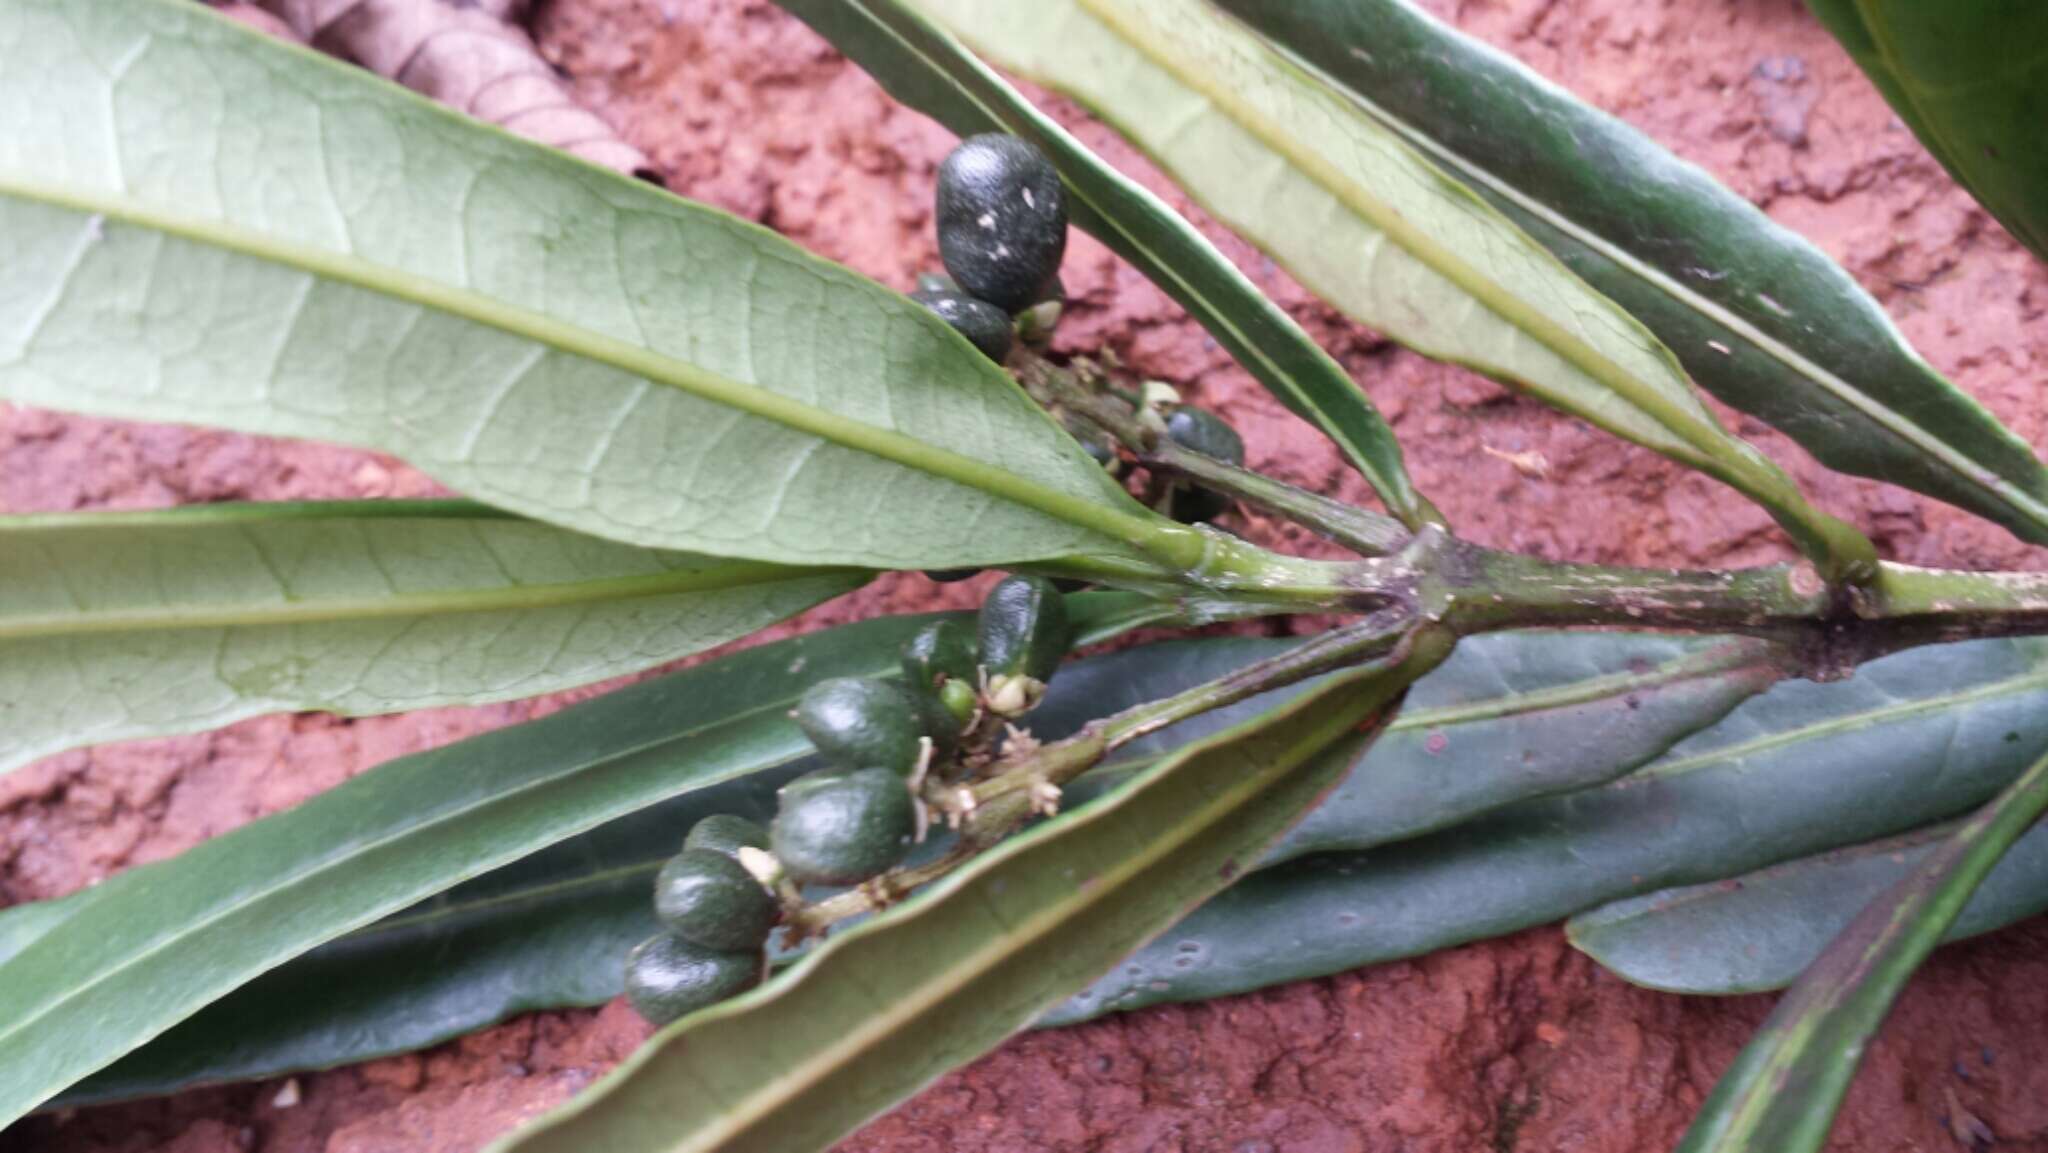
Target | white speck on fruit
(986,220)
(1028,201)
(1002,250)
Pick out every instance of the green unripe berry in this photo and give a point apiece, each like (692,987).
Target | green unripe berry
(726,833)
(960,699)
(710,900)
(837,828)
(1023,628)
(668,978)
(858,722)
(941,651)
(1199,430)
(984,325)
(1002,220)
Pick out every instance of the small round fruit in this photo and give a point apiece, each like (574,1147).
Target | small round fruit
(1002,220)
(940,651)
(859,722)
(667,978)
(1199,430)
(960,699)
(710,900)
(1023,628)
(984,325)
(842,828)
(726,833)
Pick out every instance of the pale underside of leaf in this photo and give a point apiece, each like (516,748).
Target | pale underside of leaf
(1757,315)
(1783,1090)
(1802,768)
(924,67)
(1370,225)
(200,224)
(885,1008)
(1757,932)
(122,625)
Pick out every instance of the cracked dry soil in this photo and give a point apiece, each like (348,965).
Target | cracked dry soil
(1517,1044)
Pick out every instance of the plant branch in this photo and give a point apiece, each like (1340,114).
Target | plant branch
(1029,783)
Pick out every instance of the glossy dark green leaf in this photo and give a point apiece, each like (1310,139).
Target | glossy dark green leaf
(928,70)
(883,1009)
(1365,220)
(241,904)
(1782,1092)
(548,930)
(1759,931)
(199,223)
(1757,315)
(1912,738)
(1967,76)
(132,624)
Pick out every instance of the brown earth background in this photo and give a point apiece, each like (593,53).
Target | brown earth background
(1518,1044)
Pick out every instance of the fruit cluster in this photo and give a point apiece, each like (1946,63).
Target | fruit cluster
(884,741)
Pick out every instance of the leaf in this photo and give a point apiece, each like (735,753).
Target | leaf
(1757,932)
(1968,79)
(929,70)
(1366,222)
(478,61)
(1911,738)
(1782,1092)
(146,949)
(548,931)
(883,1009)
(1758,316)
(120,625)
(199,223)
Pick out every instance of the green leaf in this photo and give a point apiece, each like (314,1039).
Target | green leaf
(883,1009)
(548,931)
(199,223)
(1968,79)
(1912,738)
(1782,1092)
(135,955)
(1757,932)
(120,625)
(1758,316)
(1365,221)
(929,70)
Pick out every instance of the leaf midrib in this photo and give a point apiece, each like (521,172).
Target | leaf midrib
(931,994)
(88,621)
(1693,666)
(1875,716)
(1892,420)
(636,361)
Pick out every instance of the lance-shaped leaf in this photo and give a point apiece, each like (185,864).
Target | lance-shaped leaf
(201,224)
(885,1008)
(1368,223)
(1782,1092)
(121,625)
(96,975)
(1910,739)
(929,70)
(1968,79)
(1759,931)
(1758,316)
(548,931)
